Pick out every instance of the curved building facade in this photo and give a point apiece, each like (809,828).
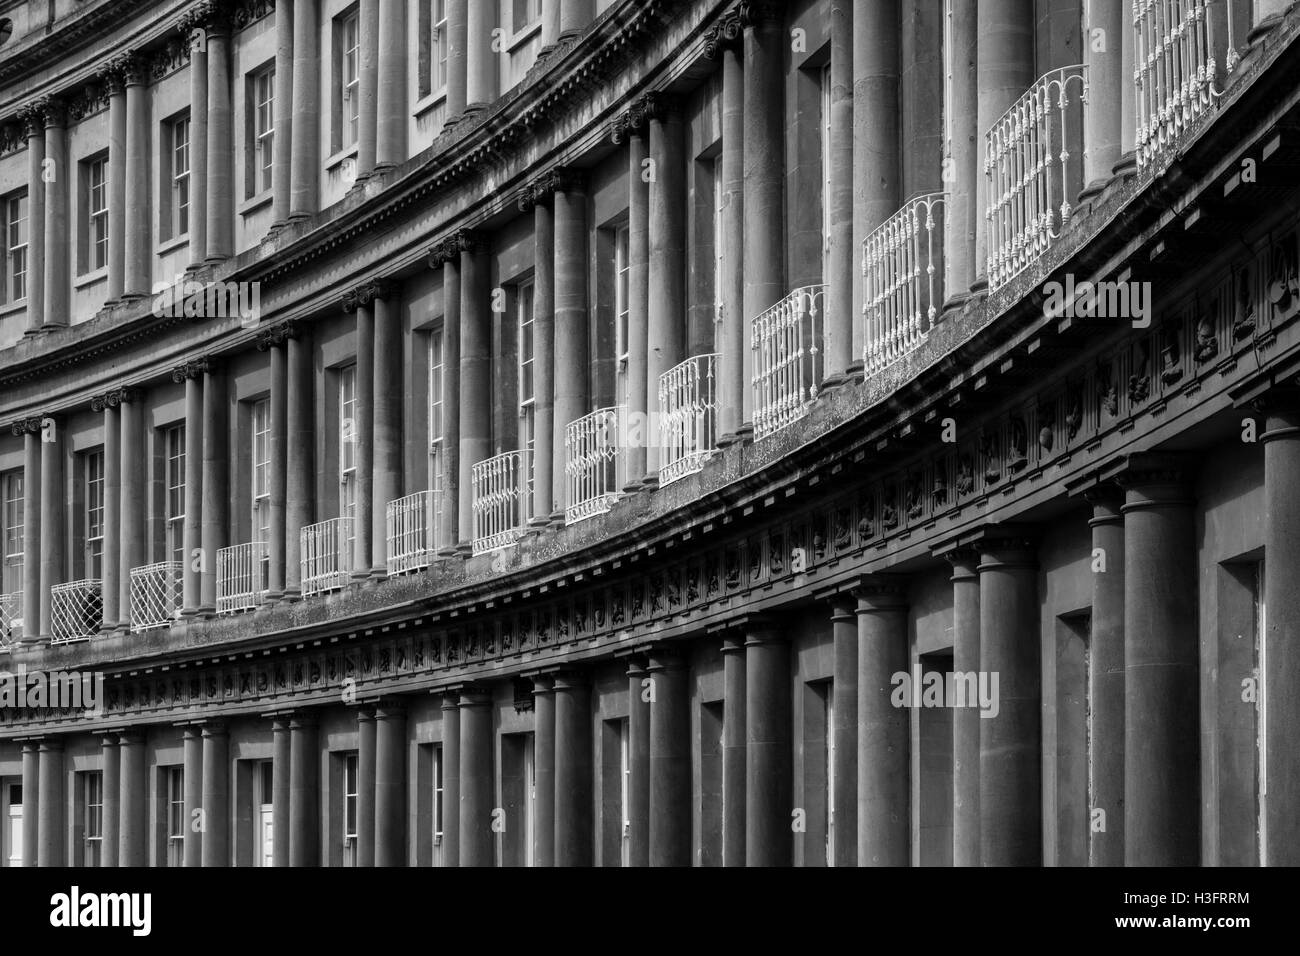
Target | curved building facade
(649,432)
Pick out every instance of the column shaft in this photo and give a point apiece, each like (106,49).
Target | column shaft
(390,136)
(133,842)
(638,758)
(550,24)
(304,171)
(884,730)
(451,488)
(51,848)
(451,780)
(31,802)
(368,37)
(216,797)
(364,437)
(1106,653)
(768,754)
(366,789)
(1103,30)
(734,804)
(112,801)
(457,61)
(35,132)
(110,573)
(573,785)
(667,272)
(476,780)
(215,477)
(390,787)
(304,793)
(844,637)
(33,627)
(840,317)
(475,380)
(670,762)
(480,59)
(575,15)
(548,483)
(57,259)
(193,778)
(192,532)
(53,514)
(735,394)
(221,188)
(389,393)
(544,772)
(139,243)
(131,553)
(640,399)
(277,472)
(282,162)
(281,791)
(571,332)
(963,154)
(300,483)
(965,720)
(198,242)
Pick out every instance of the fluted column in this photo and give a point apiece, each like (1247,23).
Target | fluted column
(884,731)
(1010,743)
(192,532)
(300,486)
(840,317)
(221,183)
(962,219)
(546,498)
(198,242)
(53,515)
(131,550)
(193,778)
(31,801)
(33,122)
(1102,41)
(667,272)
(640,398)
(451,779)
(457,57)
(283,122)
(368,84)
(112,799)
(305,150)
(480,58)
(638,758)
(965,720)
(768,753)
(304,792)
(573,770)
(572,396)
(366,788)
(390,786)
(544,771)
(476,788)
(844,640)
(390,105)
(272,341)
(388,396)
(30,430)
(139,238)
(734,755)
(51,849)
(1162,782)
(215,481)
(475,374)
(133,840)
(281,790)
(110,580)
(670,761)
(216,796)
(57,180)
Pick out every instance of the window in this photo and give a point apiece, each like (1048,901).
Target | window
(433,47)
(96,172)
(262,84)
(350,810)
(719,238)
(176,166)
(1261,710)
(826,170)
(435,412)
(530,799)
(437,805)
(622,299)
(175,816)
(14,287)
(348,448)
(948,78)
(262,472)
(350,77)
(830,774)
(12,544)
(175,447)
(13,832)
(527,389)
(263,813)
(94,819)
(526,13)
(625,811)
(94,555)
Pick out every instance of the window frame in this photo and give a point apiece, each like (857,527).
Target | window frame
(525,323)
(94,482)
(349,78)
(12,529)
(260,124)
(175,847)
(260,470)
(174,481)
(437,408)
(15,215)
(347,436)
(97,234)
(351,808)
(176,176)
(93,818)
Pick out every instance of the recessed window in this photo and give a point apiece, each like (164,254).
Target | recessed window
(436,452)
(175,202)
(527,386)
(348,448)
(13,209)
(346,86)
(261,497)
(12,544)
(437,805)
(434,42)
(525,14)
(94,476)
(175,816)
(261,130)
(93,822)
(350,790)
(174,440)
(622,300)
(94,175)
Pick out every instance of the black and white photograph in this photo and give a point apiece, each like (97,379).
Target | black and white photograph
(844,434)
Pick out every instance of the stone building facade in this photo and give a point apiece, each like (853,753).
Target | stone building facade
(577,432)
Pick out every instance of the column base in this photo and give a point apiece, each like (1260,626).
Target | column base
(359,577)
(213,261)
(837,380)
(451,552)
(40,330)
(379,574)
(734,438)
(272,597)
(291,596)
(856,370)
(1263,28)
(1092,190)
(954,303)
(207,611)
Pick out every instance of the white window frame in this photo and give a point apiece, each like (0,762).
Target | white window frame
(97,213)
(263,804)
(175,816)
(263,128)
(260,460)
(826,169)
(625,787)
(622,305)
(719,237)
(439,48)
(351,808)
(437,804)
(525,315)
(12,536)
(93,462)
(179,145)
(350,78)
(174,449)
(348,447)
(830,773)
(93,818)
(530,798)
(17,233)
(437,357)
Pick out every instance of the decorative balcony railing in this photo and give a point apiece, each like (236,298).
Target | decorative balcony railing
(1031,184)
(595,462)
(413,525)
(688,412)
(241,576)
(1174,69)
(11,618)
(787,344)
(326,549)
(76,611)
(503,499)
(155,594)
(902,276)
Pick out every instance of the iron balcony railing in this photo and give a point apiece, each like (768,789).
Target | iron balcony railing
(786,341)
(11,618)
(326,550)
(595,462)
(688,413)
(76,611)
(412,524)
(1031,184)
(503,499)
(1174,69)
(241,576)
(155,595)
(902,275)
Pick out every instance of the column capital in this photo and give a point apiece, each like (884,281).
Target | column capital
(214,728)
(757,13)
(191,732)
(123,395)
(51,744)
(1280,406)
(1005,545)
(275,336)
(571,678)
(131,67)
(665,657)
(636,666)
(53,111)
(447,249)
(128,738)
(211,16)
(1151,469)
(373,289)
(631,122)
(110,79)
(543,684)
(474,697)
(725,33)
(659,105)
(471,241)
(302,722)
(881,592)
(32,120)
(389,709)
(27,426)
(191,369)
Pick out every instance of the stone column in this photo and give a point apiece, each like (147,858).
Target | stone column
(282,160)
(33,121)
(1103,33)
(31,801)
(457,63)
(110,580)
(366,788)
(216,796)
(763,259)
(1106,653)
(575,15)
(281,791)
(1266,15)
(545,499)
(300,485)
(57,246)
(304,792)
(33,627)
(670,761)
(51,846)
(768,753)
(131,550)
(305,150)
(965,720)
(363,431)
(272,341)
(133,838)
(216,446)
(112,800)
(640,398)
(137,280)
(1004,70)
(1010,743)
(884,731)
(389,393)
(390,135)
(573,770)
(476,790)
(53,514)
(543,771)
(475,374)
(198,243)
(734,804)
(221,183)
(667,246)
(1128,94)
(193,775)
(451,779)
(572,396)
(451,488)
(390,786)
(638,758)
(480,58)
(844,640)
(843,258)
(550,25)
(192,532)
(368,83)
(1162,782)
(961,218)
